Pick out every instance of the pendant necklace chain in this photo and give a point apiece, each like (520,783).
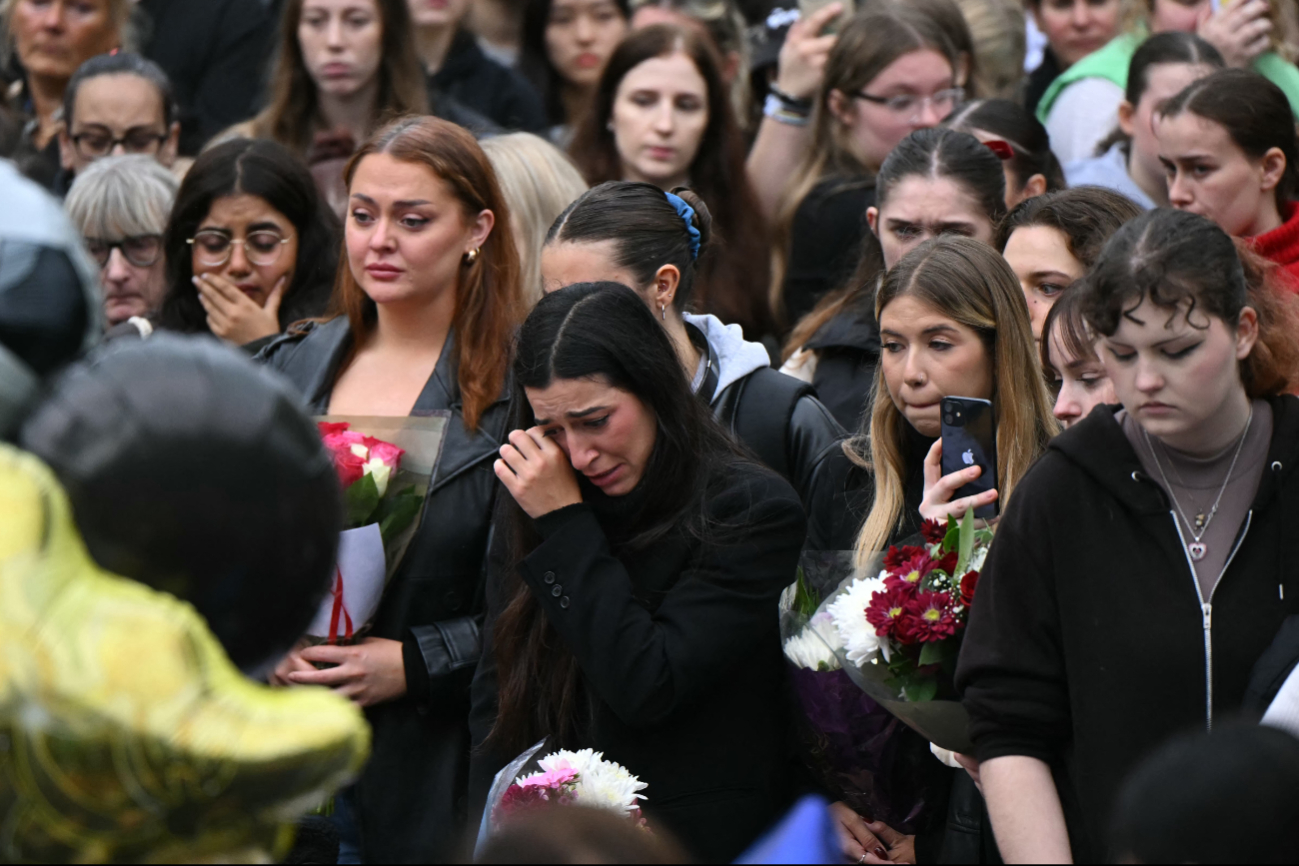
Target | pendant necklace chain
(1201,523)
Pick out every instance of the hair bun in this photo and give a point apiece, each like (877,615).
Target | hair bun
(703,217)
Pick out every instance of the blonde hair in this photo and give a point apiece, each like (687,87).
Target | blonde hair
(121,197)
(997,29)
(969,282)
(538,181)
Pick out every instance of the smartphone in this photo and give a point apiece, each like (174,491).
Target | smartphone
(808,8)
(970,439)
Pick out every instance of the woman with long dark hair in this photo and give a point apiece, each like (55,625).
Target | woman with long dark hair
(250,247)
(651,241)
(427,299)
(566,44)
(636,613)
(660,115)
(1191,485)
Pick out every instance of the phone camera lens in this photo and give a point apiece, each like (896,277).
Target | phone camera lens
(949,419)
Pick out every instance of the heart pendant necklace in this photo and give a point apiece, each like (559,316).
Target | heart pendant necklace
(1198,549)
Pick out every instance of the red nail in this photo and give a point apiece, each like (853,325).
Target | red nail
(881,853)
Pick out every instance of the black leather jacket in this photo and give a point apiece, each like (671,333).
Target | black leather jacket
(780,420)
(411,796)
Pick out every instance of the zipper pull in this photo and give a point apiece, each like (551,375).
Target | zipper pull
(1207,610)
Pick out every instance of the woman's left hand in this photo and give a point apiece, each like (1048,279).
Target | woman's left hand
(235,317)
(939,489)
(537,473)
(902,848)
(371,672)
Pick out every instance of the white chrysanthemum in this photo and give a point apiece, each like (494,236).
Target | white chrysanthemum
(849,613)
(813,647)
(600,784)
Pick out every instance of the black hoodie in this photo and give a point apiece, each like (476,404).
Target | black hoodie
(1088,643)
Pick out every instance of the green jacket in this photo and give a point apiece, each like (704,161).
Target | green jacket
(1111,62)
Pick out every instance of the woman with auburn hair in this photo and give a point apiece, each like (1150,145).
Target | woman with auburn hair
(426,304)
(661,115)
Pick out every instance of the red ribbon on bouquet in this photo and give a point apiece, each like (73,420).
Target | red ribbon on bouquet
(339,611)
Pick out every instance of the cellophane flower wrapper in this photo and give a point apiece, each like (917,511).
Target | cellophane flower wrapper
(853,747)
(386,466)
(924,697)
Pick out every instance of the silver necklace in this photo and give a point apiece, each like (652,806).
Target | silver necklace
(1200,525)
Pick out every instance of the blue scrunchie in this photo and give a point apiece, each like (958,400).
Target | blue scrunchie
(687,214)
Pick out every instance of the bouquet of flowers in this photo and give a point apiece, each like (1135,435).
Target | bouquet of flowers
(383,493)
(857,751)
(898,634)
(581,778)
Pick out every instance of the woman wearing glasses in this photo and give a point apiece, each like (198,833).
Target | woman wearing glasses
(891,72)
(120,205)
(251,246)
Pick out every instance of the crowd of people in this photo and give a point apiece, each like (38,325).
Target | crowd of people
(689,283)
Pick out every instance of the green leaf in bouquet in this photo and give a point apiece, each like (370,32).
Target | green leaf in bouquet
(805,598)
(952,540)
(918,689)
(397,512)
(935,653)
(362,500)
(966,549)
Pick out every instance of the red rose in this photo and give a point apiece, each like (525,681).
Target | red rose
(968,583)
(928,617)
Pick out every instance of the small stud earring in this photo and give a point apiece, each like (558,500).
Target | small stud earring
(472,255)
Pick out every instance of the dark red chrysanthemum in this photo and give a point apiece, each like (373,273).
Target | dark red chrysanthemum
(912,571)
(968,583)
(898,556)
(928,617)
(886,610)
(933,531)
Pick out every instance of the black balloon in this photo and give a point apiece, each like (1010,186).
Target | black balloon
(197,473)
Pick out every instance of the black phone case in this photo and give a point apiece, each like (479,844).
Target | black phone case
(971,440)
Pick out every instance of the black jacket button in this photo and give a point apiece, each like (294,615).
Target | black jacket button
(563,602)
(557,591)
(548,577)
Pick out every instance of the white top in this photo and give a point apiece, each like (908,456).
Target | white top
(1084,113)
(1284,711)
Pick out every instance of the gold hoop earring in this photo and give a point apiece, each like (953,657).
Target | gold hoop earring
(472,256)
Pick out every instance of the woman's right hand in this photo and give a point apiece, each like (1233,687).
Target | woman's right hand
(858,842)
(803,56)
(937,503)
(1241,31)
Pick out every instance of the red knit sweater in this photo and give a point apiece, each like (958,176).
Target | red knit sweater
(1281,245)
